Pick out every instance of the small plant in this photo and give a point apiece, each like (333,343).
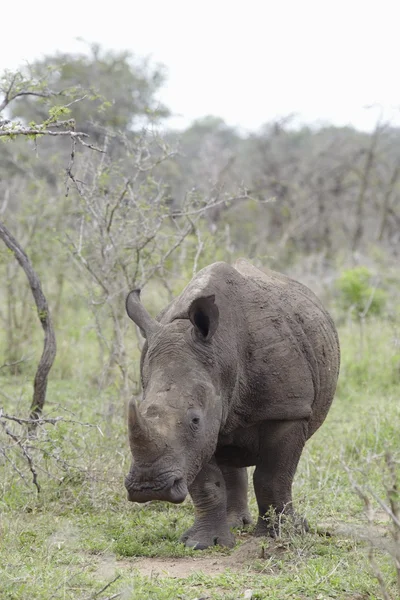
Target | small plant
(359,294)
(390,508)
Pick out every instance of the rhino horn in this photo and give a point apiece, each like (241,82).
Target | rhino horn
(139,315)
(137,427)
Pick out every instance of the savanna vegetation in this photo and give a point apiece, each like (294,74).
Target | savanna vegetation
(102,202)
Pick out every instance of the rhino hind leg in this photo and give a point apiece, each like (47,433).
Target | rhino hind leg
(208,492)
(236,484)
(283,443)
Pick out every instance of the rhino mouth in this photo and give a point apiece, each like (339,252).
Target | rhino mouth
(173,489)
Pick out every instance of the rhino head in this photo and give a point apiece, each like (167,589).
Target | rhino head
(174,430)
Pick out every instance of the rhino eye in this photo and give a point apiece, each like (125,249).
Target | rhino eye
(194,420)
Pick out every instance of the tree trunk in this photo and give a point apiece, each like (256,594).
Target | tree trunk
(49,347)
(364,184)
(387,200)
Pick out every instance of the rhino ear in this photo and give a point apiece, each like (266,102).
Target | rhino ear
(204,315)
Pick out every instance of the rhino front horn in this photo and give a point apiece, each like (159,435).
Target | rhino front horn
(137,428)
(139,315)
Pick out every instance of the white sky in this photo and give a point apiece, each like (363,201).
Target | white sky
(247,61)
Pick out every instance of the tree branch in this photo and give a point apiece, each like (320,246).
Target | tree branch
(7,98)
(10,132)
(50,348)
(25,453)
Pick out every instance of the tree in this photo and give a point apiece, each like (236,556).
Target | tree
(117,223)
(116,90)
(205,160)
(49,348)
(15,86)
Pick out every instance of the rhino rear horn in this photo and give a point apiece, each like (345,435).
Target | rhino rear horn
(139,315)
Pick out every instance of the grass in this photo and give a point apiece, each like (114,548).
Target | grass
(80,533)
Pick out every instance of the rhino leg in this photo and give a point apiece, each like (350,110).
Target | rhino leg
(210,527)
(236,484)
(281,448)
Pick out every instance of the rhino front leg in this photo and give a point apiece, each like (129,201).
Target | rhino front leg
(210,527)
(282,445)
(236,483)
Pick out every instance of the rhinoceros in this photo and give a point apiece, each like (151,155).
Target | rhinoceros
(239,370)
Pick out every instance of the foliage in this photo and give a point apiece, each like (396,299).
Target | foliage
(117,223)
(359,294)
(119,91)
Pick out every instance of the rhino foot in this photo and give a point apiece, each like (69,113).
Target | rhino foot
(200,538)
(267,528)
(236,520)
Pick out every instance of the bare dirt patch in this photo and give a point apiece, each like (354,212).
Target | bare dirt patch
(251,550)
(180,567)
(239,560)
(164,567)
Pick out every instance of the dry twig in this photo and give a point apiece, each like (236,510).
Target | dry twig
(393,512)
(25,453)
(103,589)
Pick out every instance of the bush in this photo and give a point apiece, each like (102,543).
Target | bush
(359,294)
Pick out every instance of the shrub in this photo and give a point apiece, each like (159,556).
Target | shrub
(359,294)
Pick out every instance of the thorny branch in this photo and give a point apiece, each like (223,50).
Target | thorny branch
(44,420)
(393,493)
(200,247)
(131,235)
(10,131)
(14,363)
(392,510)
(14,466)
(27,448)
(378,574)
(25,453)
(214,204)
(9,97)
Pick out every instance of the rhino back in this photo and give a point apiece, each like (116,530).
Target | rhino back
(276,345)
(294,344)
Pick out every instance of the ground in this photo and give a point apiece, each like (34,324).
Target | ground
(79,538)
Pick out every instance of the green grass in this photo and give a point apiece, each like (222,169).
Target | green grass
(80,533)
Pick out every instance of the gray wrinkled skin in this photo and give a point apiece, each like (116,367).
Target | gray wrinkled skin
(239,370)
